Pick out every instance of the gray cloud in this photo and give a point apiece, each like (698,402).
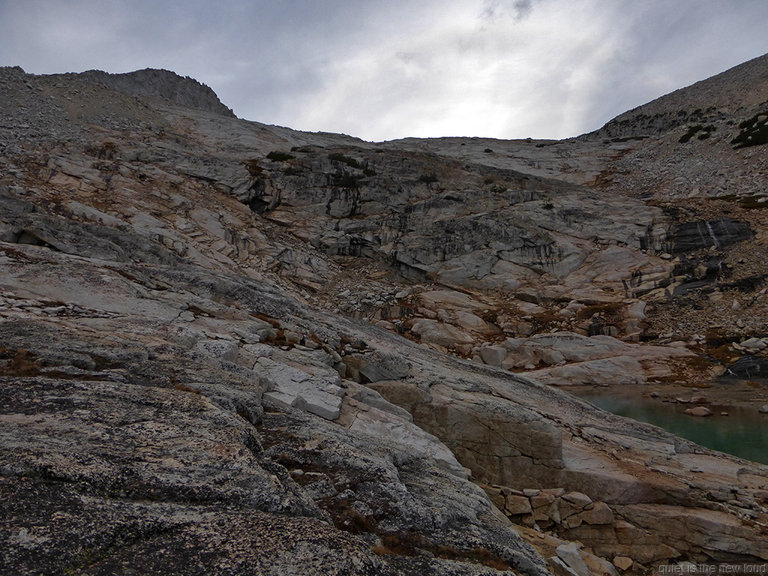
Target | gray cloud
(503,68)
(494,9)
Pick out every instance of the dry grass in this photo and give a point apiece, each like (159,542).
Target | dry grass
(19,363)
(406,544)
(185,388)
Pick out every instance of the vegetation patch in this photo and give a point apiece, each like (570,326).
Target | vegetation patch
(754,132)
(703,131)
(411,542)
(274,322)
(105,151)
(18,363)
(253,167)
(346,518)
(611,310)
(277,156)
(751,202)
(348,160)
(346,179)
(185,388)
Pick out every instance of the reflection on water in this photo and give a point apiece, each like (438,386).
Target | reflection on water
(743,432)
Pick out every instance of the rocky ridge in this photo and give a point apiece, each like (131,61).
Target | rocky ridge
(221,337)
(163,84)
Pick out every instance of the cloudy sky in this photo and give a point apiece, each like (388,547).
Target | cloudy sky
(384,69)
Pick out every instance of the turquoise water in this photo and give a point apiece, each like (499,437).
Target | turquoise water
(743,432)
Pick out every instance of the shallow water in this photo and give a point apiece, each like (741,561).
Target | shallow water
(743,433)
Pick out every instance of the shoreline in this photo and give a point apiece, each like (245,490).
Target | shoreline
(719,394)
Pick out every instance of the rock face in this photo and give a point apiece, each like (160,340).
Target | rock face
(230,348)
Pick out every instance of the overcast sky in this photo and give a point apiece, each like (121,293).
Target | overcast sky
(384,69)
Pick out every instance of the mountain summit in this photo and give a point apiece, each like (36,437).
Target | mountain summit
(182,91)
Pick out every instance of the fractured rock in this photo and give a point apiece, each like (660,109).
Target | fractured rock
(599,514)
(560,568)
(293,388)
(493,355)
(515,505)
(569,553)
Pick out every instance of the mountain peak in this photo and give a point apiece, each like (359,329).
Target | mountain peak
(153,82)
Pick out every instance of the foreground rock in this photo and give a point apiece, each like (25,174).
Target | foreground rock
(154,434)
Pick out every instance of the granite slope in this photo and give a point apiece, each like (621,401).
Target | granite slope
(221,336)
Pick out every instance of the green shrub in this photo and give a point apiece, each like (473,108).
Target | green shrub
(706,132)
(346,180)
(277,156)
(351,162)
(690,134)
(754,132)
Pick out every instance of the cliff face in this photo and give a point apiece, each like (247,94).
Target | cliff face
(230,348)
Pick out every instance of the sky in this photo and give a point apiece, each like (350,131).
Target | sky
(387,69)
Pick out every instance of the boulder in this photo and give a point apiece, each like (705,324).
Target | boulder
(560,568)
(493,355)
(569,553)
(598,566)
(515,505)
(292,388)
(698,411)
(542,500)
(496,496)
(577,499)
(434,332)
(754,344)
(616,371)
(373,366)
(599,514)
